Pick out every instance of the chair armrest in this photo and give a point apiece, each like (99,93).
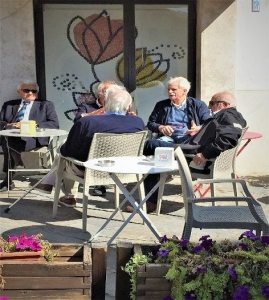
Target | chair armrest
(228,180)
(73,160)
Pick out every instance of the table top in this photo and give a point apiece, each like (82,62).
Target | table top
(251,135)
(130,165)
(44,132)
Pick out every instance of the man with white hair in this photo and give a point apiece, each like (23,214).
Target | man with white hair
(114,120)
(28,107)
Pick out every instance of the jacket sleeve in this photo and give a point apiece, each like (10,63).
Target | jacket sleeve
(227,136)
(50,118)
(156,118)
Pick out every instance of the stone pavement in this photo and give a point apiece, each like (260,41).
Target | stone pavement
(34,215)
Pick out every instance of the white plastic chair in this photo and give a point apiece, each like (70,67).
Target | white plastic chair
(103,145)
(223,166)
(249,216)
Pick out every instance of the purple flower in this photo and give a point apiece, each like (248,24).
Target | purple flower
(232,273)
(3,298)
(163,239)
(184,244)
(265,291)
(243,246)
(204,237)
(250,235)
(190,297)
(163,252)
(168,298)
(265,239)
(241,293)
(197,249)
(207,244)
(200,270)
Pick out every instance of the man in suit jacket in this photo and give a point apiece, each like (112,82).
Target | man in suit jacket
(114,120)
(41,111)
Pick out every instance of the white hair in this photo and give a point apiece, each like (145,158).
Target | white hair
(27,81)
(118,100)
(181,82)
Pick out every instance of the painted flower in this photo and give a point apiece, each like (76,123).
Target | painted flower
(151,68)
(96,38)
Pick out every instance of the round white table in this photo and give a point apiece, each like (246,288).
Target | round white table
(43,132)
(131,165)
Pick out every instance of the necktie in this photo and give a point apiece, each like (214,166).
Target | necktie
(21,112)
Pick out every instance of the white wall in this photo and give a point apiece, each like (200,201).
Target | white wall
(252,82)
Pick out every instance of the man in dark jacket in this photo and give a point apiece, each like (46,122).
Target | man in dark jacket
(28,107)
(221,132)
(115,120)
(177,118)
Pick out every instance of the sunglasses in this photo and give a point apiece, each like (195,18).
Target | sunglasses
(30,90)
(212,102)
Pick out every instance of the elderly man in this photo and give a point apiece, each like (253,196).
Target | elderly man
(219,133)
(115,120)
(28,107)
(96,107)
(174,120)
(177,118)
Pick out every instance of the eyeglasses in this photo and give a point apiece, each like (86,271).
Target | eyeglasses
(30,90)
(212,102)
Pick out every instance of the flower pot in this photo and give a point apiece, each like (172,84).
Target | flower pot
(21,255)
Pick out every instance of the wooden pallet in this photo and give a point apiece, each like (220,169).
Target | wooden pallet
(69,276)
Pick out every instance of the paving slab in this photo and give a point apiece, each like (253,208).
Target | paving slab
(33,215)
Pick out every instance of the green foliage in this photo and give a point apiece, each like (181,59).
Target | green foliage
(131,268)
(212,270)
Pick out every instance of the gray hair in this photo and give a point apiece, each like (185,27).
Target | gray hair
(28,81)
(118,100)
(181,82)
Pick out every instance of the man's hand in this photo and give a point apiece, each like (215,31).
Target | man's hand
(199,159)
(194,129)
(166,130)
(16,125)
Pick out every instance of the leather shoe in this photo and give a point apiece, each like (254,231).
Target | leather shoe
(45,188)
(151,207)
(99,190)
(4,187)
(68,201)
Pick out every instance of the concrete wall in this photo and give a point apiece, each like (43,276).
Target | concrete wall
(232,54)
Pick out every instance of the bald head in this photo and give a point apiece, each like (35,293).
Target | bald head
(222,100)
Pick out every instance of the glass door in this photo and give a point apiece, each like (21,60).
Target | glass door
(161,52)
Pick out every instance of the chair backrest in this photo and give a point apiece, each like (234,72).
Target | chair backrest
(224,165)
(186,179)
(113,144)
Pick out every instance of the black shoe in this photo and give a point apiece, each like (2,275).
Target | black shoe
(4,187)
(99,190)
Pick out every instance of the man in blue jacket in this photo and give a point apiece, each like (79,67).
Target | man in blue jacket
(28,107)
(176,119)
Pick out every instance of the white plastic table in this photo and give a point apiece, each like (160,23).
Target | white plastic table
(44,132)
(131,165)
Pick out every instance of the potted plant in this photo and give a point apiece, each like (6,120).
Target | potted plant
(209,269)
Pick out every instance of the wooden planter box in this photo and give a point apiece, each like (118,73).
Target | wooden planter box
(151,282)
(69,276)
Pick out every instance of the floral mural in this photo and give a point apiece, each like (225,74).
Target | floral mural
(98,39)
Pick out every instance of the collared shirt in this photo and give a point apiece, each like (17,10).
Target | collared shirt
(27,111)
